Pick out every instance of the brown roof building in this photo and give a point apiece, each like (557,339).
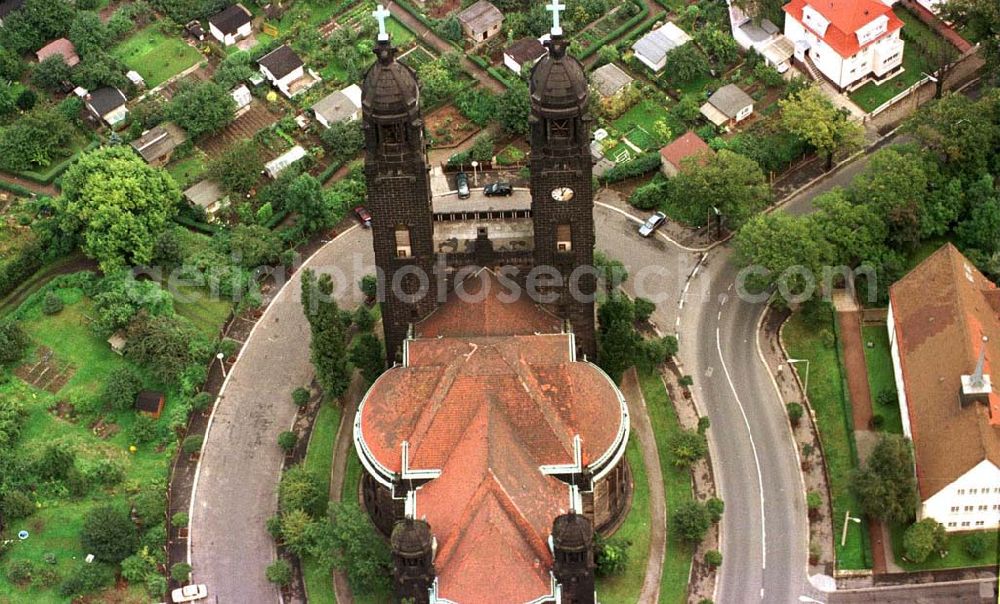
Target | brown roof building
(481,21)
(944,330)
(489,431)
(681,148)
(62,47)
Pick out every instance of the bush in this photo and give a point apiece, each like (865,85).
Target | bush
(649,196)
(300,396)
(369,286)
(642,164)
(975,545)
(687,447)
(156,586)
(611,556)
(55,461)
(138,566)
(150,503)
(121,388)
(287,440)
(192,444)
(888,398)
(704,424)
(643,309)
(279,572)
(715,507)
(180,519)
(877,421)
(144,429)
(109,534)
(87,578)
(16,505)
(19,572)
(13,342)
(201,401)
(795,412)
(814,501)
(923,538)
(181,572)
(713,558)
(52,304)
(691,520)
(299,489)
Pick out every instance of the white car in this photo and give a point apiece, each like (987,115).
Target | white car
(189,593)
(652,223)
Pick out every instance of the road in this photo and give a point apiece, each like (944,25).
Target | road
(235,488)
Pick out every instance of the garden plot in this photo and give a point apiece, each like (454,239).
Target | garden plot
(156,56)
(47,372)
(415,57)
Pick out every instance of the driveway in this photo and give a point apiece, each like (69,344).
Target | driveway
(236,482)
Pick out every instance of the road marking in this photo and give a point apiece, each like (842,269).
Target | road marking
(753,446)
(641,221)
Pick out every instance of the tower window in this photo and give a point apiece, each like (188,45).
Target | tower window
(559,129)
(403,242)
(564,238)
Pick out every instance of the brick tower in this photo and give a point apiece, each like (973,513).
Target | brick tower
(399,194)
(573,553)
(562,186)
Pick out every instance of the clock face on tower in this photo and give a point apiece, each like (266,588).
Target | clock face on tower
(562,194)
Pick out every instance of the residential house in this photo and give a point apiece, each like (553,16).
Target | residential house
(944,335)
(207,195)
(729,105)
(9,6)
(277,165)
(610,80)
(157,145)
(231,25)
(341,106)
(61,47)
(107,104)
(150,403)
(765,38)
(523,54)
(652,48)
(481,21)
(846,41)
(286,71)
(683,147)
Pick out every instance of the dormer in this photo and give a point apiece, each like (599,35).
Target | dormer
(873,29)
(816,22)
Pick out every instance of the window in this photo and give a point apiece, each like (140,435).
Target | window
(979,523)
(996,507)
(968,508)
(961,491)
(951,524)
(983,508)
(564,238)
(966,523)
(559,129)
(403,249)
(996,489)
(954,508)
(972,491)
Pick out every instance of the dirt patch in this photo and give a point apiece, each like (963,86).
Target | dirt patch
(64,410)
(449,128)
(244,127)
(104,430)
(47,372)
(443,8)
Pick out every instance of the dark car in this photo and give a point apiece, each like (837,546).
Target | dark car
(363,216)
(462,181)
(498,189)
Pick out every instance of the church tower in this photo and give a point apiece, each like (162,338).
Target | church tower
(573,554)
(398,191)
(413,560)
(562,184)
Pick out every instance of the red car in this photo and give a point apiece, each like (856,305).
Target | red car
(363,216)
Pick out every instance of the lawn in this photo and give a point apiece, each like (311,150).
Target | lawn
(189,170)
(208,313)
(643,114)
(319,459)
(55,527)
(956,557)
(870,97)
(828,396)
(156,56)
(881,378)
(676,485)
(311,13)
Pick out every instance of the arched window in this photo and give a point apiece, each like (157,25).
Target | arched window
(403,249)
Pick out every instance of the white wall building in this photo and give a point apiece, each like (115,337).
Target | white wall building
(848,41)
(652,48)
(231,25)
(939,315)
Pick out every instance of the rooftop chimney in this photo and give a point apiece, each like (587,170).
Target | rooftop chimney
(976,388)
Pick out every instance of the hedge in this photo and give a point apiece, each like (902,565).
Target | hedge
(416,14)
(203,227)
(615,33)
(46,178)
(496,73)
(15,189)
(642,164)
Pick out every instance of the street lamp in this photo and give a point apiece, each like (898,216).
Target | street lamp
(806,361)
(222,363)
(847,518)
(475,174)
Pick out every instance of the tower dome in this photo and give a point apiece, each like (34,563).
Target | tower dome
(411,538)
(389,90)
(572,532)
(558,83)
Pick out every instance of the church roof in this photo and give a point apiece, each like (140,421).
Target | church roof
(390,88)
(558,82)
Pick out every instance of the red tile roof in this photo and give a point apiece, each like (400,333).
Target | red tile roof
(683,147)
(942,309)
(63,47)
(846,17)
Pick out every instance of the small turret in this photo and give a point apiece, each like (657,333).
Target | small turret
(413,560)
(573,552)
(976,388)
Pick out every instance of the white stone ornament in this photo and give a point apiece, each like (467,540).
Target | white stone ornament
(381,14)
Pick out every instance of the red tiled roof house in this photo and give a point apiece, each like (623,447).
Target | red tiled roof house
(944,332)
(848,41)
(683,147)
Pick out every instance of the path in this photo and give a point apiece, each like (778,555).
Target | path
(642,428)
(29,184)
(235,486)
(442,46)
(859,393)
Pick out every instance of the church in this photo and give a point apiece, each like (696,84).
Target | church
(493,447)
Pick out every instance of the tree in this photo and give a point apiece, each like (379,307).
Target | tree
(607,54)
(923,538)
(305,197)
(368,355)
(650,196)
(300,396)
(513,109)
(328,348)
(975,545)
(617,339)
(238,169)
(685,63)
(253,246)
(88,33)
(52,304)
(369,287)
(719,45)
(778,242)
(687,447)
(895,184)
(982,20)
(167,345)
(181,572)
(352,546)
(235,68)
(51,73)
(13,342)
(34,139)
(300,489)
(810,115)
(109,534)
(691,520)
(715,507)
(287,441)
(119,203)
(343,139)
(611,556)
(121,296)
(202,108)
(733,184)
(886,486)
(279,572)
(11,65)
(980,230)
(854,232)
(121,388)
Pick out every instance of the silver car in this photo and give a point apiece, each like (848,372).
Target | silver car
(654,222)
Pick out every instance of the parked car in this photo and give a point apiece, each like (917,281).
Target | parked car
(654,222)
(189,593)
(498,189)
(363,216)
(462,180)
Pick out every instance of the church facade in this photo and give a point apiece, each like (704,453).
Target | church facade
(493,447)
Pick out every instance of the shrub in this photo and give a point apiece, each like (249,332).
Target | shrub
(923,538)
(887,398)
(144,429)
(16,505)
(192,444)
(55,461)
(691,520)
(643,309)
(649,196)
(155,538)
(52,304)
(713,558)
(300,396)
(686,381)
(13,342)
(715,507)
(20,571)
(364,319)
(287,440)
(181,572)
(201,401)
(156,586)
(121,388)
(814,501)
(687,447)
(975,545)
(87,578)
(138,566)
(641,164)
(109,534)
(279,572)
(795,412)
(180,519)
(611,556)
(299,489)
(704,424)
(106,472)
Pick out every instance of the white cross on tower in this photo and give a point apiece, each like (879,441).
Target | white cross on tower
(555,8)
(381,14)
